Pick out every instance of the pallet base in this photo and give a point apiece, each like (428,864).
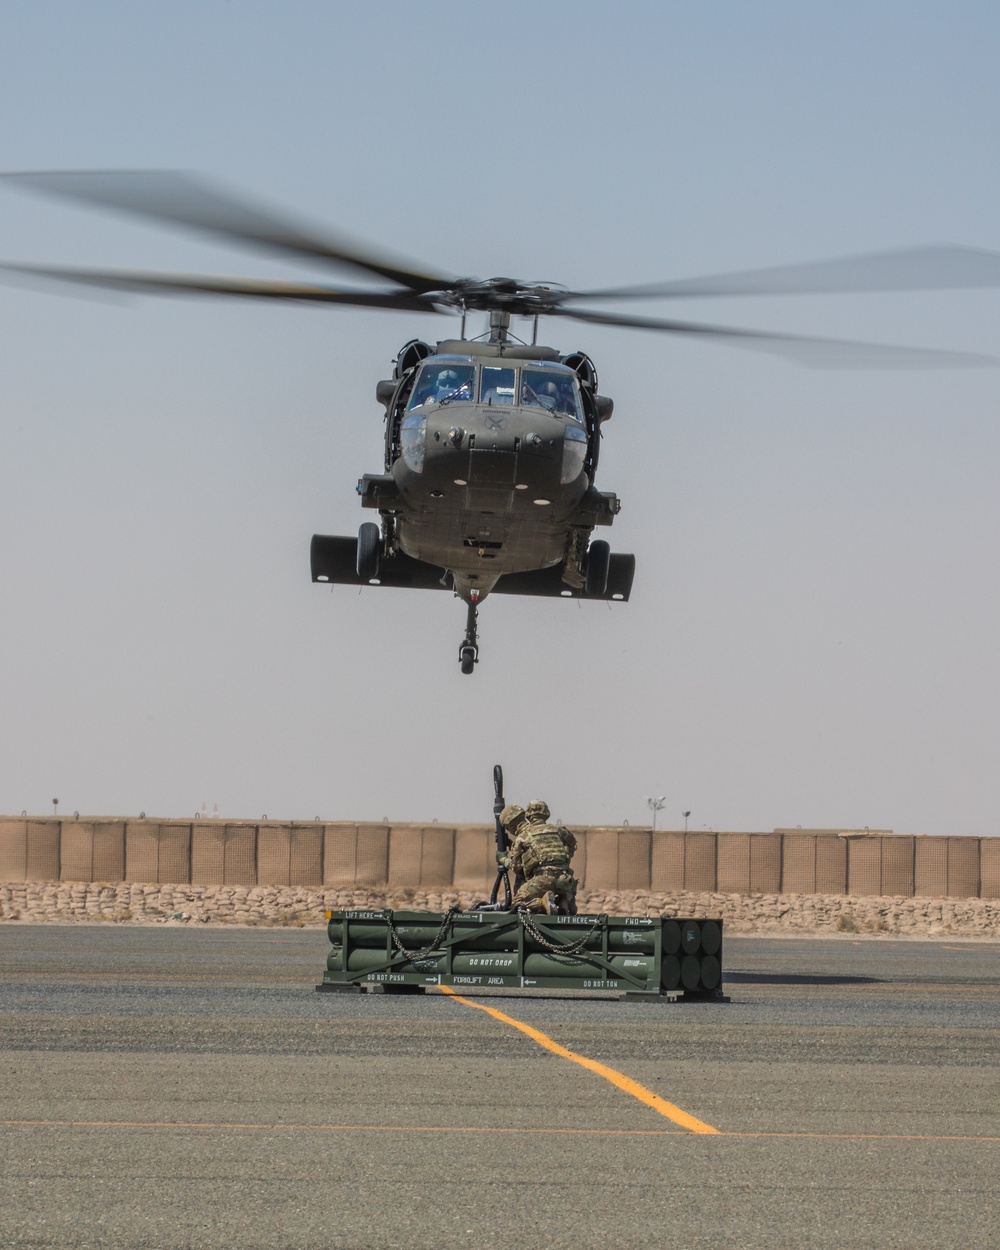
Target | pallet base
(629,996)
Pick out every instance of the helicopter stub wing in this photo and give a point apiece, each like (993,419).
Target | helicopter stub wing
(548,582)
(334,562)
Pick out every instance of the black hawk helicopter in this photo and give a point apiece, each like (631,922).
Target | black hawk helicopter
(491,443)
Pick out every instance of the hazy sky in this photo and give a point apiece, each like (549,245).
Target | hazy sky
(813,634)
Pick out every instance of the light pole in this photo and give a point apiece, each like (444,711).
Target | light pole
(654,806)
(685,815)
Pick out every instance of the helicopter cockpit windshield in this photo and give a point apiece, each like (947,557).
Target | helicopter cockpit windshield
(497,386)
(555,392)
(443,383)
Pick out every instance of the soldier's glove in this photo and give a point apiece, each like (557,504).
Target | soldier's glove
(503,861)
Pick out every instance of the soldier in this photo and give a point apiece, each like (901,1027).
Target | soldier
(541,852)
(513,818)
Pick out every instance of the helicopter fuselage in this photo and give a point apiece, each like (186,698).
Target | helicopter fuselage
(491,496)
(491,450)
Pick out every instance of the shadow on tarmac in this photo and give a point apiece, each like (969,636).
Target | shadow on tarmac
(792,978)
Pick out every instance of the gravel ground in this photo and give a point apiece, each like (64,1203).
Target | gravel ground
(297,906)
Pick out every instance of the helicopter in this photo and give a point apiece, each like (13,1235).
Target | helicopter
(492,442)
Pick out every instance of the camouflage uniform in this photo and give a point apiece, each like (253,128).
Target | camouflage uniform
(542,853)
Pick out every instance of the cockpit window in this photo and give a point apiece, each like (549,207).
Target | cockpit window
(555,392)
(443,384)
(497,385)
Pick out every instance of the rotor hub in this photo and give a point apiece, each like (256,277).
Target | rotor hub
(504,295)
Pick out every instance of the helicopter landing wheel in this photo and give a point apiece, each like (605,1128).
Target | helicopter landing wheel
(598,566)
(369,550)
(468,653)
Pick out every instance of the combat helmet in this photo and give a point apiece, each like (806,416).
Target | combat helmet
(512,816)
(537,811)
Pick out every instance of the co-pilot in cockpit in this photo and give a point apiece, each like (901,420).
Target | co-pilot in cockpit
(552,391)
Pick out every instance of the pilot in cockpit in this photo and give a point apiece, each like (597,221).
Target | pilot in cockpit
(441,385)
(446,384)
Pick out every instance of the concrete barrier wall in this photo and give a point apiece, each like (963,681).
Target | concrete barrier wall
(435,856)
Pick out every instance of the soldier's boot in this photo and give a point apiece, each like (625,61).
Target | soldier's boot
(551,903)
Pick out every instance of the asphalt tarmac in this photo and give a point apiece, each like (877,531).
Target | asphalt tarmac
(166,1088)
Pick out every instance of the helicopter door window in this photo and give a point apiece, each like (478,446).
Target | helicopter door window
(497,386)
(442,384)
(551,391)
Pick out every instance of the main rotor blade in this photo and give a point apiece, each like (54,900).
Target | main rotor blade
(180,284)
(814,352)
(184,200)
(940,268)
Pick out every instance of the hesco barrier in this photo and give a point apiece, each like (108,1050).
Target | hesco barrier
(435,856)
(410,951)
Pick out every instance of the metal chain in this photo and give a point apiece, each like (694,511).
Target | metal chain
(559,948)
(415,956)
(570,948)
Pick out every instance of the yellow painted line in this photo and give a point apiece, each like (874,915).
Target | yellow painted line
(343,1128)
(624,1083)
(473,1128)
(871,1136)
(916,988)
(882,987)
(70,976)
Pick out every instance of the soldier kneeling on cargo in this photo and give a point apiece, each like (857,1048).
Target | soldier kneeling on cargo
(540,852)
